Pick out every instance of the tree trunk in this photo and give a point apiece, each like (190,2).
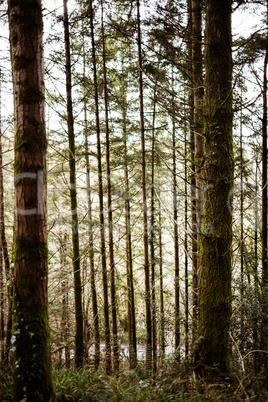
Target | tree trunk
(129,260)
(79,347)
(91,251)
(255,331)
(186,245)
(145,213)
(110,211)
(264,302)
(176,237)
(2,287)
(4,248)
(32,365)
(152,242)
(103,251)
(90,235)
(162,311)
(217,175)
(241,235)
(2,310)
(65,308)
(198,94)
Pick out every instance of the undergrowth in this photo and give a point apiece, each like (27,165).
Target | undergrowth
(169,385)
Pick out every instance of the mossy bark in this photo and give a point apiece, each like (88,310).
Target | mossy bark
(217,176)
(30,340)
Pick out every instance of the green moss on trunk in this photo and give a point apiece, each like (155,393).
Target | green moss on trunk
(31,346)
(217,172)
(30,340)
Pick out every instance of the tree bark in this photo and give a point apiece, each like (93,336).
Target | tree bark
(217,176)
(79,346)
(198,95)
(4,248)
(162,310)
(91,251)
(103,251)
(129,259)
(241,234)
(176,237)
(152,242)
(186,245)
(32,365)
(145,212)
(264,301)
(65,308)
(110,211)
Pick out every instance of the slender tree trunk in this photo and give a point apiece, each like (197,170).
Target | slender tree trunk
(162,311)
(217,173)
(32,364)
(264,324)
(145,213)
(2,287)
(176,237)
(186,247)
(91,251)
(241,232)
(79,347)
(65,308)
(255,331)
(129,260)
(2,309)
(3,244)
(152,242)
(194,230)
(90,235)
(198,94)
(103,251)
(110,211)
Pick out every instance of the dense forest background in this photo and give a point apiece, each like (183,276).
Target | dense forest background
(125,111)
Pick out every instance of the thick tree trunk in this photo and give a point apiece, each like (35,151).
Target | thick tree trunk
(79,347)
(32,366)
(103,251)
(217,176)
(145,213)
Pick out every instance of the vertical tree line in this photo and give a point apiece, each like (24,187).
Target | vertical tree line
(156,252)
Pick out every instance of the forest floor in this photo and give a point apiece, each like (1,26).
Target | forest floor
(170,384)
